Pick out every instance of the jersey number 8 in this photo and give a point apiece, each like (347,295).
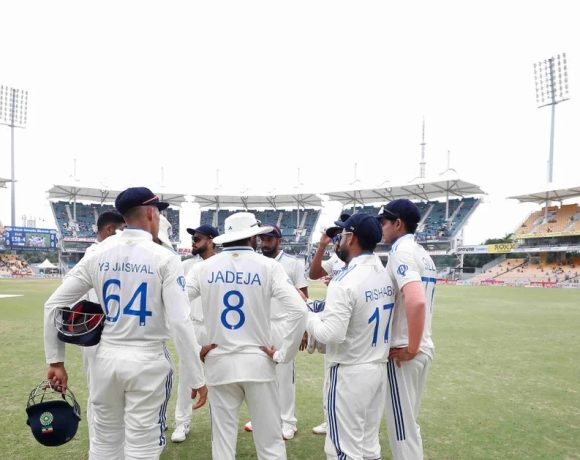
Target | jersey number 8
(235,308)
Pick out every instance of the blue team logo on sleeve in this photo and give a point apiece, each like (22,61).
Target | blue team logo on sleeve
(402,270)
(181,282)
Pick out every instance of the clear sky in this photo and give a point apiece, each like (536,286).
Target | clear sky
(168,93)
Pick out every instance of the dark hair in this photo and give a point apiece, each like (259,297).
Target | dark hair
(243,242)
(366,245)
(109,217)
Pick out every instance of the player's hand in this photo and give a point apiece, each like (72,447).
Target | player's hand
(202,392)
(304,342)
(401,354)
(205,350)
(325,239)
(269,351)
(326,280)
(57,375)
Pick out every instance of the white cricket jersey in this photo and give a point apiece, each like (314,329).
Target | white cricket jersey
(236,287)
(408,261)
(356,322)
(295,269)
(332,266)
(141,287)
(196,309)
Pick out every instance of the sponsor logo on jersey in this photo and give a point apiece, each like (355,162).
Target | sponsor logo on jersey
(402,270)
(181,282)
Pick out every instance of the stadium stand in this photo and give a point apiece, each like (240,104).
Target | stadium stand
(12,265)
(561,220)
(434,226)
(85,224)
(296,226)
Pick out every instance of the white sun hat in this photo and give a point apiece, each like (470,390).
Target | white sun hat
(240,226)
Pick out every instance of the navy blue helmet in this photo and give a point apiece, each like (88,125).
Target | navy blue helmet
(53,414)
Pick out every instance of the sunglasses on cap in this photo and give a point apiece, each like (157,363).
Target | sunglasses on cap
(384,212)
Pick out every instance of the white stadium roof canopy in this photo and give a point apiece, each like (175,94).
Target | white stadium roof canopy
(448,185)
(275,201)
(102,195)
(548,193)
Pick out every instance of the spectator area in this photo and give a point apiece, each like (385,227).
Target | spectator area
(433,225)
(561,220)
(12,265)
(85,224)
(296,226)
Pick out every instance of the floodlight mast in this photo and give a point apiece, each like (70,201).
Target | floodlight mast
(551,77)
(13,108)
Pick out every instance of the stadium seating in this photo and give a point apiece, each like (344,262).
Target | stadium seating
(564,219)
(12,265)
(85,225)
(434,226)
(296,227)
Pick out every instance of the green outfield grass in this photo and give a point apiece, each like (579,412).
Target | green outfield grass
(505,383)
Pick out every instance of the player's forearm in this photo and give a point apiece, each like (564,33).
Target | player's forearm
(415,305)
(188,350)
(327,331)
(71,290)
(316,270)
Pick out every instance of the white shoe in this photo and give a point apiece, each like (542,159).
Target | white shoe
(180,433)
(320,429)
(248,427)
(288,432)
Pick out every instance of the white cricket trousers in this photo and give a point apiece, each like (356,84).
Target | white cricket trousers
(89,354)
(405,390)
(355,405)
(184,404)
(264,408)
(130,389)
(285,378)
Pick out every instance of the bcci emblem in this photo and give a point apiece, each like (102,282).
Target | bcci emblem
(402,270)
(46,420)
(181,282)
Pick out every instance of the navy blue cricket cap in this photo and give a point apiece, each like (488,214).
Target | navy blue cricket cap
(332,231)
(138,196)
(276,233)
(402,209)
(364,226)
(205,229)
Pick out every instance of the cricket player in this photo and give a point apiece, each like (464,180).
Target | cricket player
(107,225)
(294,268)
(412,348)
(355,326)
(202,248)
(325,269)
(236,289)
(141,288)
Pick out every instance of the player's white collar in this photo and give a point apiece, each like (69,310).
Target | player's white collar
(406,236)
(279,256)
(238,248)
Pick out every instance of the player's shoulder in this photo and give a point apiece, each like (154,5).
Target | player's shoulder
(345,275)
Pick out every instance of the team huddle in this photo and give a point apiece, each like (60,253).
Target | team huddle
(237,319)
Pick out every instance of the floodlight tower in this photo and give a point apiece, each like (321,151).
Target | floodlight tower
(551,77)
(13,108)
(422,162)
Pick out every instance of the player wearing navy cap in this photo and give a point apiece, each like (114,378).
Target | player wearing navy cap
(325,269)
(270,243)
(202,248)
(141,287)
(412,348)
(236,287)
(355,326)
